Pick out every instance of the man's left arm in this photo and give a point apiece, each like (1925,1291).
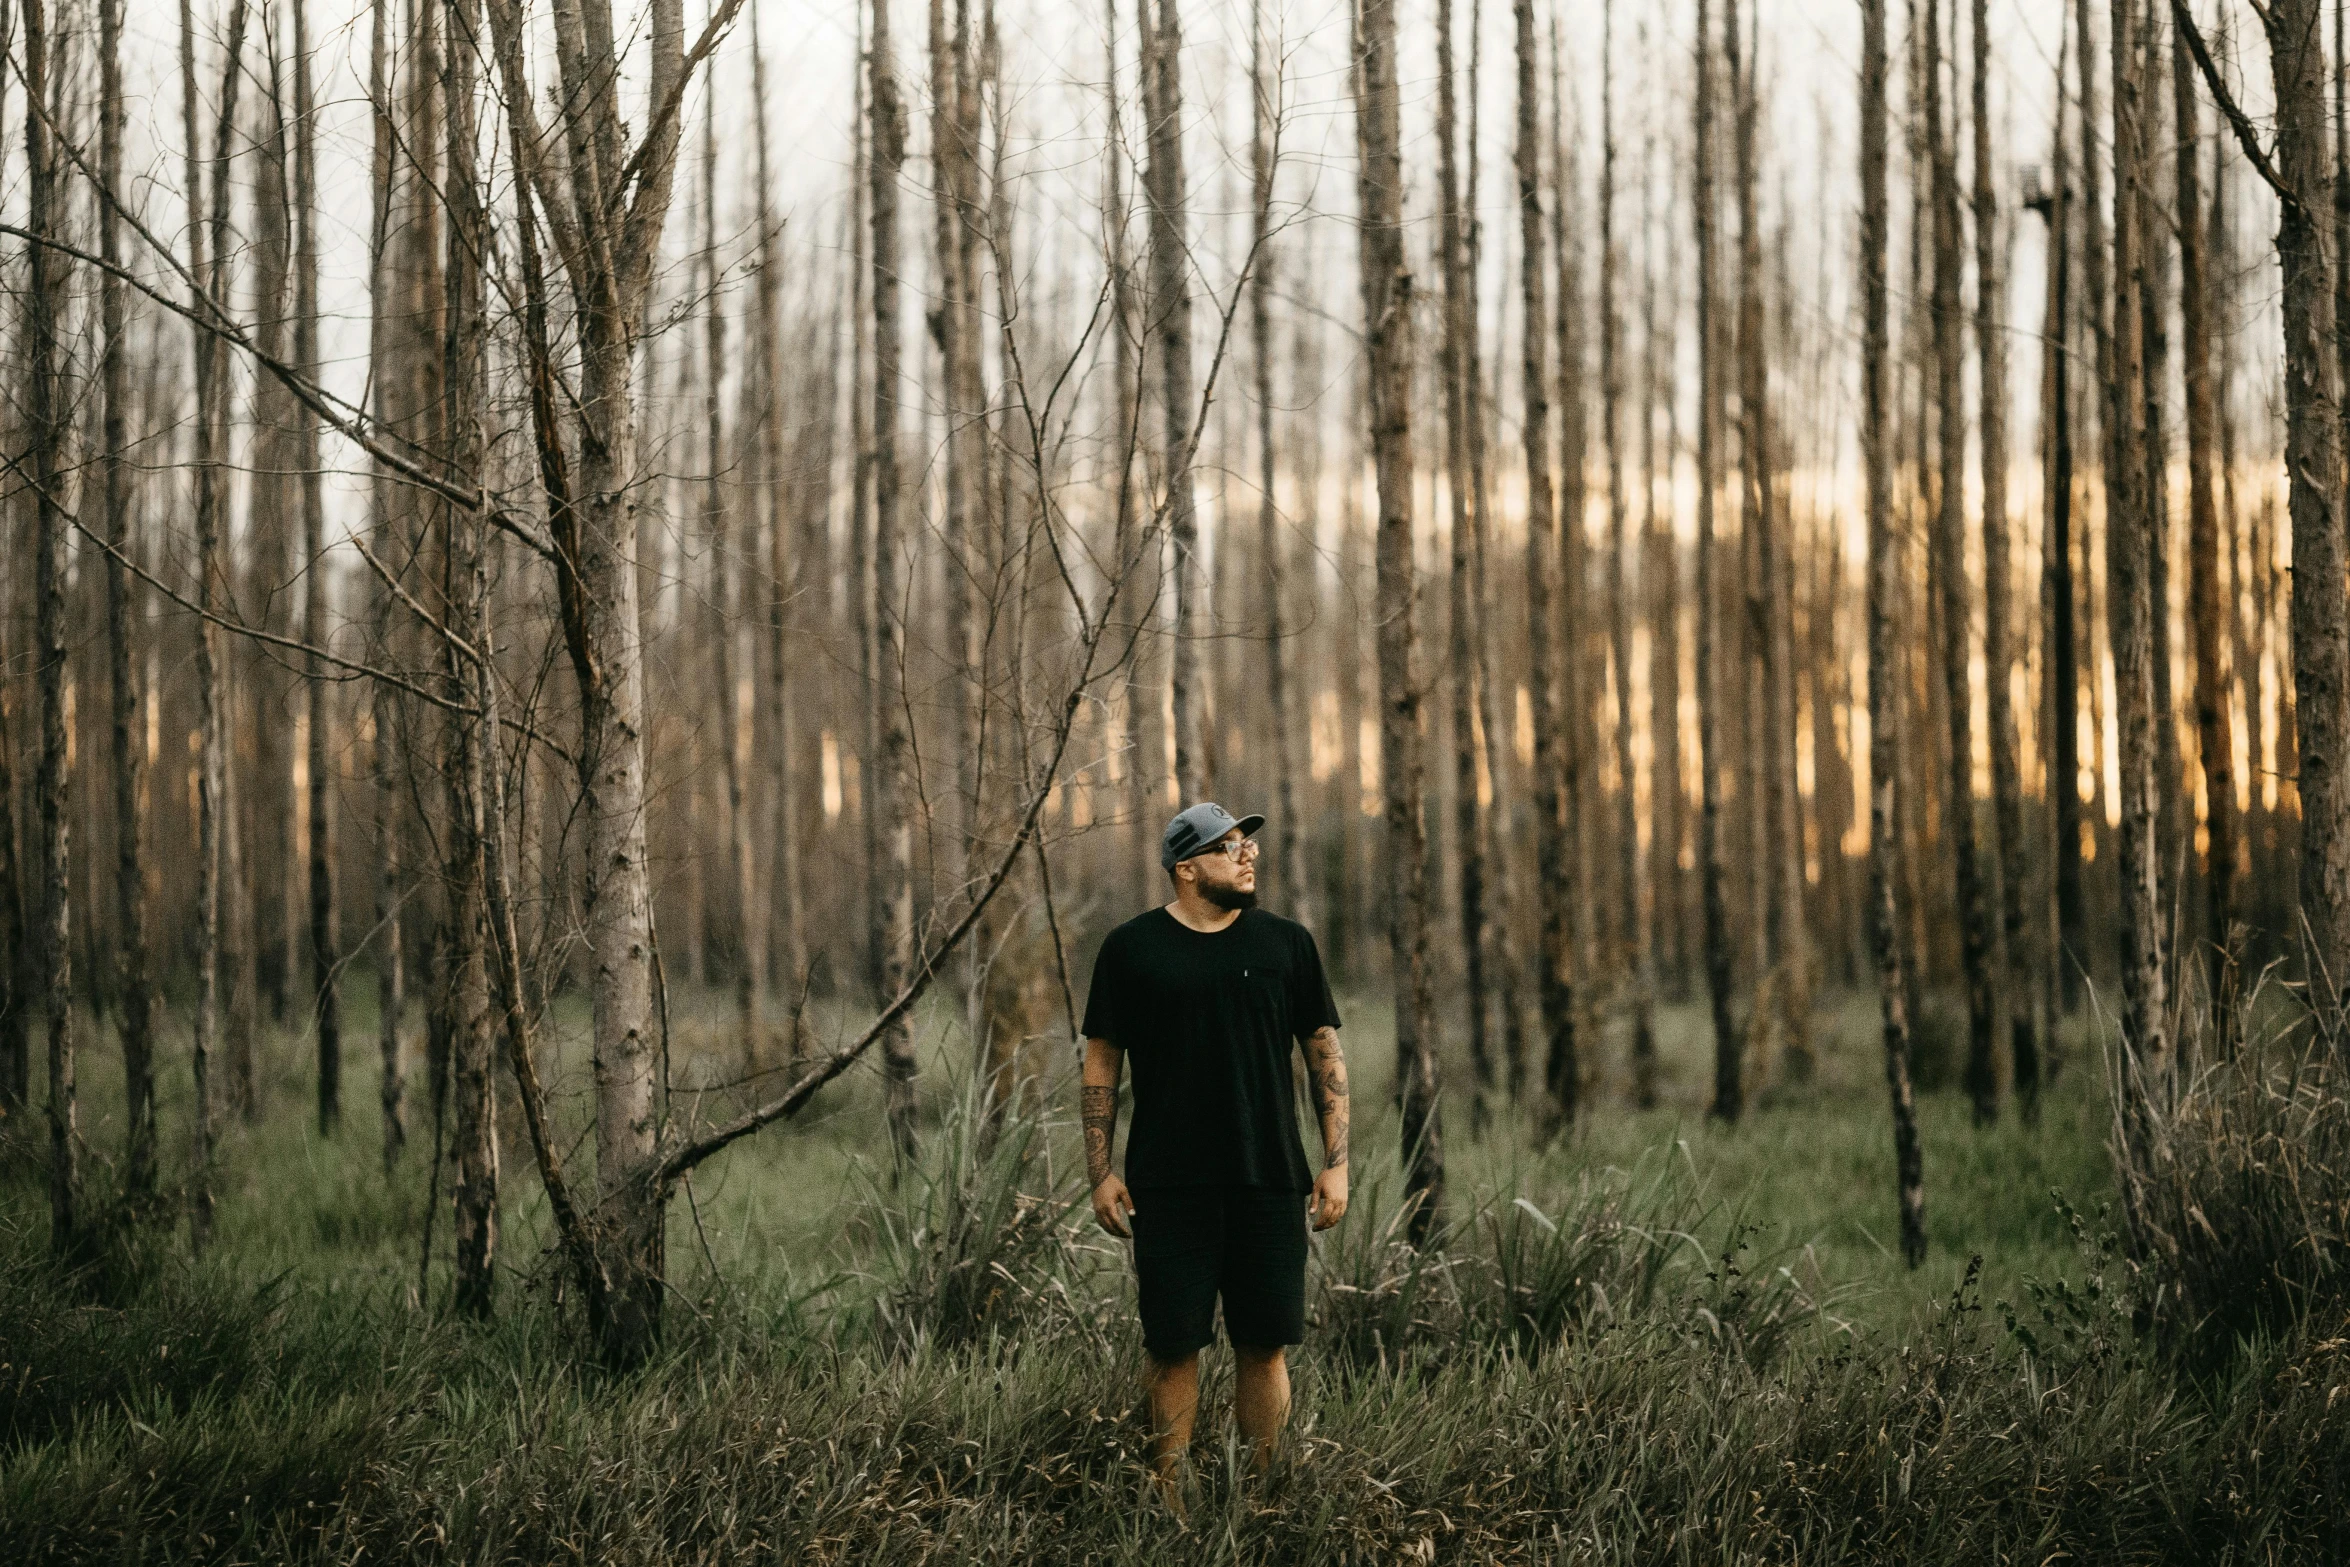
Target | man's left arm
(1326,1070)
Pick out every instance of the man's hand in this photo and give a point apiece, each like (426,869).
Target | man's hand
(1328,1204)
(1112,1203)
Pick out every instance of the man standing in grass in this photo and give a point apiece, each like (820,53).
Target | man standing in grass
(1207,995)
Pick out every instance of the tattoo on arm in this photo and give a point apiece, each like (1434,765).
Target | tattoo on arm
(1326,1064)
(1099,1109)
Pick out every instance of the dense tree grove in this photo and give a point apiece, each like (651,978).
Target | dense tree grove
(514,513)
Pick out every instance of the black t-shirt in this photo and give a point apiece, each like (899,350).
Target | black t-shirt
(1208,1021)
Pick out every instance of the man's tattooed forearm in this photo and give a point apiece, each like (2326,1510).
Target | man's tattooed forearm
(1098,1107)
(1326,1063)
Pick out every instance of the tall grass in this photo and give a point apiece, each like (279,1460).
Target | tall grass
(1620,1349)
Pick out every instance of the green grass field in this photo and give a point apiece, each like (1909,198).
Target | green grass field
(936,1370)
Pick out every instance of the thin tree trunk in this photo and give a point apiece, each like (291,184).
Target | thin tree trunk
(2214,739)
(2019,1042)
(325,944)
(134,977)
(1662,572)
(1388,330)
(52,779)
(2313,460)
(1462,499)
(893,807)
(1980,946)
(465,589)
(783,697)
(1558,860)
(1642,978)
(1729,1088)
(1883,603)
(207,237)
(2061,955)
(2130,615)
(1170,327)
(384,708)
(734,712)
(1289,858)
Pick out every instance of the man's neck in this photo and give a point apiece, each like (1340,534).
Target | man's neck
(1197,913)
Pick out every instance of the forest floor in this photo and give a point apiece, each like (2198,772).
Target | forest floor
(1657,1339)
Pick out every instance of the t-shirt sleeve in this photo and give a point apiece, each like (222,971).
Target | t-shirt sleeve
(1101,998)
(1311,1006)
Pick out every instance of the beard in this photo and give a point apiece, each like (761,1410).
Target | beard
(1228,897)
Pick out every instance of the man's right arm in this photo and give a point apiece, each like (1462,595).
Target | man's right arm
(1098,1108)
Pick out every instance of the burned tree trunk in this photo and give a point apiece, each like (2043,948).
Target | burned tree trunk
(1387,321)
(1883,601)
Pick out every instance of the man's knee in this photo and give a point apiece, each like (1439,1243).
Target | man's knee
(1260,1360)
(1160,1373)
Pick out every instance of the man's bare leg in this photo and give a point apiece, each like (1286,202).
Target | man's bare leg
(1174,1402)
(1260,1400)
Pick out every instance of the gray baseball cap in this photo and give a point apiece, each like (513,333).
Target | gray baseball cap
(1197,827)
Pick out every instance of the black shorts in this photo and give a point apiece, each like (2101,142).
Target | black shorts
(1195,1243)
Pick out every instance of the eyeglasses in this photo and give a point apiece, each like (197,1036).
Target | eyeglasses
(1235,849)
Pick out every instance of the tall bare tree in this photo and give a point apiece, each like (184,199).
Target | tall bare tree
(134,967)
(1626,829)
(1979,940)
(1729,1085)
(1170,328)
(2130,609)
(2215,741)
(734,715)
(1883,599)
(465,589)
(1387,292)
(207,239)
(45,416)
(784,694)
(605,196)
(1265,91)
(1463,498)
(892,802)
(318,690)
